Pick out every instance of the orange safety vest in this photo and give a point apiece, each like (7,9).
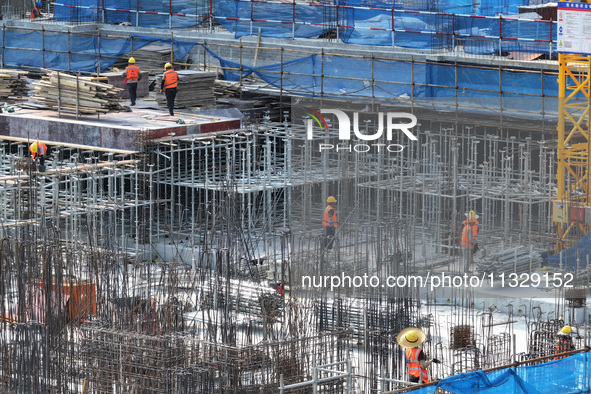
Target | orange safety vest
(35,13)
(132,73)
(563,345)
(41,150)
(329,220)
(469,233)
(414,366)
(171,79)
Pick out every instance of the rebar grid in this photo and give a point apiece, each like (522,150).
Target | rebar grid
(186,242)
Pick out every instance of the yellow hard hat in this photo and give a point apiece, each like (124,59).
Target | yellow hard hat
(331,199)
(566,330)
(167,65)
(33,147)
(411,336)
(131,60)
(471,214)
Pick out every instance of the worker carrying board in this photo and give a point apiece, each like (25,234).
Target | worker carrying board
(410,339)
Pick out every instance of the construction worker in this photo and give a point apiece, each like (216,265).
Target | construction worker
(329,221)
(132,77)
(169,86)
(39,149)
(564,341)
(36,13)
(410,339)
(468,243)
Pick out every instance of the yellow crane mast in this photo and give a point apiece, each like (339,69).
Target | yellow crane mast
(573,149)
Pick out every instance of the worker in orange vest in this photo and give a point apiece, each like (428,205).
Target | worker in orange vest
(39,149)
(132,77)
(410,339)
(329,221)
(36,13)
(564,341)
(469,243)
(169,84)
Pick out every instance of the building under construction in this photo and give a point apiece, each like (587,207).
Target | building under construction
(155,254)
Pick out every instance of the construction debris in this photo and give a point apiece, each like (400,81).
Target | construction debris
(13,85)
(73,94)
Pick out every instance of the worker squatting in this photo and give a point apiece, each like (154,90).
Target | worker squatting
(440,280)
(361,148)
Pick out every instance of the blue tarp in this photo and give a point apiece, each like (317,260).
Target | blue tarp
(568,375)
(579,251)
(342,75)
(498,7)
(370,23)
(280,20)
(346,76)
(84,53)
(505,381)
(187,13)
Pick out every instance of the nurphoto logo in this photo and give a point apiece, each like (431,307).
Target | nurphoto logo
(388,124)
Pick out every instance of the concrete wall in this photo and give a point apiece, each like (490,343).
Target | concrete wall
(71,132)
(111,131)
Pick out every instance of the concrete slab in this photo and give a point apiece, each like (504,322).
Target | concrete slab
(121,130)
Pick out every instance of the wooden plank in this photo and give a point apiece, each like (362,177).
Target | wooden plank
(71,94)
(256,51)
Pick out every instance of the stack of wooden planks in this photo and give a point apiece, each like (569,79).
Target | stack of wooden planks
(151,58)
(71,94)
(195,89)
(13,85)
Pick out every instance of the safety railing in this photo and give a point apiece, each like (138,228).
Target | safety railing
(312,72)
(328,374)
(555,369)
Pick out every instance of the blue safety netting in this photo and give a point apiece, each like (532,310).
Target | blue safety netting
(568,375)
(305,83)
(146,13)
(575,256)
(342,75)
(374,27)
(498,7)
(501,382)
(446,6)
(51,50)
(68,10)
(357,21)
(565,376)
(312,75)
(280,20)
(455,6)
(113,16)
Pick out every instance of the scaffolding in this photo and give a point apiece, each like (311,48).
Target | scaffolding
(178,267)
